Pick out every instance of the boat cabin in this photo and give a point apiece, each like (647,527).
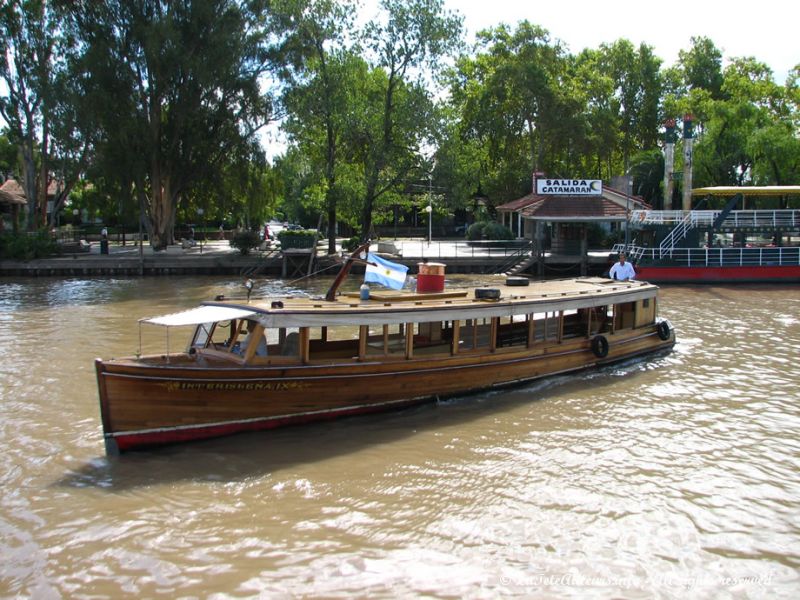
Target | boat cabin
(401,327)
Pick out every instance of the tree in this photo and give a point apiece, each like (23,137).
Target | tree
(750,132)
(28,38)
(399,116)
(510,90)
(176,90)
(637,89)
(320,92)
(701,67)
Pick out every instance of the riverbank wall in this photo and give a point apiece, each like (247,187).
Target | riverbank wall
(220,259)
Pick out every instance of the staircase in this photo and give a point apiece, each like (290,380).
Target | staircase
(678,233)
(516,263)
(522,266)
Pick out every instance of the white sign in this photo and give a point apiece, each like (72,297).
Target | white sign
(569,187)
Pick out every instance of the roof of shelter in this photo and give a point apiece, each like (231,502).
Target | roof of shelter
(612,205)
(11,193)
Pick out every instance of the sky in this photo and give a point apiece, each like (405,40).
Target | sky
(766,29)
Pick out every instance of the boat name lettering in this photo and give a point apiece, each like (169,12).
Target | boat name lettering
(235,386)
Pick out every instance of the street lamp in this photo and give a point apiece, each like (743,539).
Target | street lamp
(200,212)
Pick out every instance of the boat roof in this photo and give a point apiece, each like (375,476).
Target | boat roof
(753,190)
(389,307)
(201,314)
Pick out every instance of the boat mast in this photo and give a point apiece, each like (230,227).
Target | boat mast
(354,256)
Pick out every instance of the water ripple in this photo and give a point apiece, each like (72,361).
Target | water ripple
(672,477)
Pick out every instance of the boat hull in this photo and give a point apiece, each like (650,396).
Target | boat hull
(145,405)
(719,274)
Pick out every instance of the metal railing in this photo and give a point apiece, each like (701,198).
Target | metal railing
(461,249)
(678,233)
(684,221)
(522,254)
(779,219)
(725,257)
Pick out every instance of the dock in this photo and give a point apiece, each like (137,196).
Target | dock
(218,258)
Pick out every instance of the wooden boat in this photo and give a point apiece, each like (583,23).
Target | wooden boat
(324,358)
(679,247)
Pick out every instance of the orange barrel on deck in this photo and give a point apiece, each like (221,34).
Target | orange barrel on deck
(430,277)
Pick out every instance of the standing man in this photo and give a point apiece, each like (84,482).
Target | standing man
(622,270)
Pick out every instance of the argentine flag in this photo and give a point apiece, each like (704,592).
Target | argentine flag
(386,273)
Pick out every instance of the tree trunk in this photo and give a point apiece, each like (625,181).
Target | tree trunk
(330,194)
(331,222)
(532,143)
(162,216)
(43,173)
(369,201)
(29,182)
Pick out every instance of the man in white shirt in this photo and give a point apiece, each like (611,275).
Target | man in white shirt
(622,270)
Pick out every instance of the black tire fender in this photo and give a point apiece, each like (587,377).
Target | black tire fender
(663,329)
(487,293)
(600,346)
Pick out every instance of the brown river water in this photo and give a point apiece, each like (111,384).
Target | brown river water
(676,476)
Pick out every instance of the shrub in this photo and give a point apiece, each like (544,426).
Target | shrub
(475,231)
(297,238)
(489,230)
(245,241)
(351,243)
(25,246)
(496,231)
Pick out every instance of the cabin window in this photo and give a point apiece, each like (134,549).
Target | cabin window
(202,335)
(220,336)
(430,337)
(284,341)
(345,342)
(384,340)
(577,322)
(546,327)
(512,331)
(474,334)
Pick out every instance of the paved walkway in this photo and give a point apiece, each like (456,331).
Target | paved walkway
(218,257)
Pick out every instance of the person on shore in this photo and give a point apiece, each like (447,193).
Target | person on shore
(622,270)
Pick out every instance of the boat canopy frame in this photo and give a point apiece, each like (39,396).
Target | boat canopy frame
(194,316)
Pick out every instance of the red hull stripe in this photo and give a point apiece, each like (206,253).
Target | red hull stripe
(170,435)
(718,274)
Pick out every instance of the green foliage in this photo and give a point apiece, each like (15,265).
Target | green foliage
(175,114)
(647,169)
(25,246)
(351,244)
(244,241)
(489,230)
(162,121)
(8,153)
(297,238)
(398,115)
(701,66)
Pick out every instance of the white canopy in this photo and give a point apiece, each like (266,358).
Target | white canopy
(201,314)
